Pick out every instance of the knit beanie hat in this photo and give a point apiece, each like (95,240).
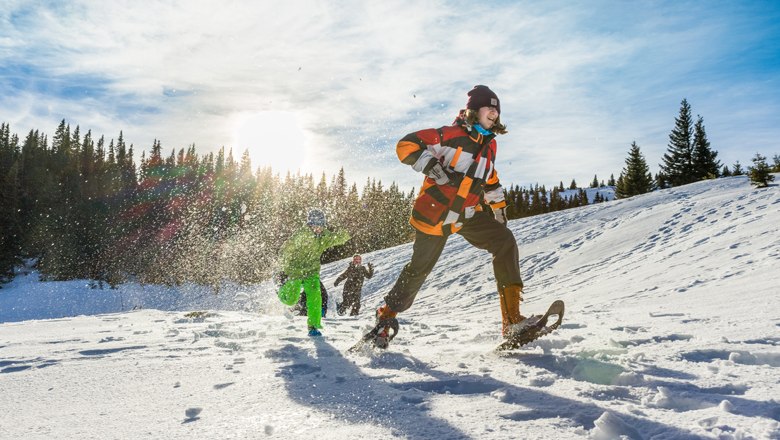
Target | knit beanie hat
(481,96)
(316,218)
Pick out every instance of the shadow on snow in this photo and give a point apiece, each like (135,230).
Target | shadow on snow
(343,390)
(331,383)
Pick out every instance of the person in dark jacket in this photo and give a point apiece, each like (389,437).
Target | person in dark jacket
(353,287)
(301,308)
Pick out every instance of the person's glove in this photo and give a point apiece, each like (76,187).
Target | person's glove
(500,215)
(444,177)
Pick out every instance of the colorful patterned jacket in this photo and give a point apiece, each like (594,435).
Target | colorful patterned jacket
(469,158)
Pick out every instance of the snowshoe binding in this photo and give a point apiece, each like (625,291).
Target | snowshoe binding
(533,328)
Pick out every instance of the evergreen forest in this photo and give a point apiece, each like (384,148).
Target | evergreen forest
(84,207)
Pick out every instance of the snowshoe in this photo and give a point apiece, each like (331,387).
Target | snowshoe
(380,336)
(314,332)
(533,328)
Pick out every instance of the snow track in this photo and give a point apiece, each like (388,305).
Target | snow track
(671,332)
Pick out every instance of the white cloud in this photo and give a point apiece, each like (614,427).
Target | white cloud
(577,84)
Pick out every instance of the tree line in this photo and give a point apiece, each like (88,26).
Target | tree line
(83,208)
(689,158)
(537,199)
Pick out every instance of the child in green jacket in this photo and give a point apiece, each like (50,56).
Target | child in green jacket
(300,261)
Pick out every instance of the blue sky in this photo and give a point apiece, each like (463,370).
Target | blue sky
(319,85)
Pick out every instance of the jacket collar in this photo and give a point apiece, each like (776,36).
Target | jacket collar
(471,130)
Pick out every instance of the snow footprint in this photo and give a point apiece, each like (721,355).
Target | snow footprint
(236,362)
(738,357)
(191,414)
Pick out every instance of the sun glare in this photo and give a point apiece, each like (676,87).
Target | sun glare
(273,139)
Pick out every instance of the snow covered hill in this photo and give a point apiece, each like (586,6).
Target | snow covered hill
(672,331)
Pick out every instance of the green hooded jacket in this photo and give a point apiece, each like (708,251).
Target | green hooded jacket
(300,256)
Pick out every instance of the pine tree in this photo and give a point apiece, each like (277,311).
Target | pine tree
(635,178)
(219,164)
(129,172)
(8,149)
(595,182)
(37,192)
(340,185)
(61,140)
(556,203)
(726,172)
(759,173)
(704,158)
(611,181)
(322,188)
(64,257)
(776,166)
(677,167)
(661,181)
(245,177)
(535,204)
(544,199)
(737,170)
(10,221)
(573,184)
(583,197)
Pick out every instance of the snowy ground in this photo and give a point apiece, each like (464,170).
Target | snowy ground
(672,331)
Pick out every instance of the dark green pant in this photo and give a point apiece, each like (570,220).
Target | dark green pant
(483,232)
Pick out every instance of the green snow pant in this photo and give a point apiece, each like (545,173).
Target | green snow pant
(291,291)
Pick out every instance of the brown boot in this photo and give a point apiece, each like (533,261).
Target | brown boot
(383,338)
(510,297)
(384,312)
